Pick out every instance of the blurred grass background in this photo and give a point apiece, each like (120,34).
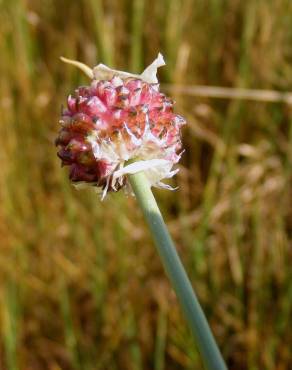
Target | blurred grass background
(81,286)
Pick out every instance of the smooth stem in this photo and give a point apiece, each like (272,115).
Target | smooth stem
(193,312)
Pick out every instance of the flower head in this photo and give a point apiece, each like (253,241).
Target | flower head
(120,124)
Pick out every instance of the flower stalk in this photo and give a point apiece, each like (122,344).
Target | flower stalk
(122,132)
(194,314)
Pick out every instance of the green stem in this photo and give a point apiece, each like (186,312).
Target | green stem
(193,312)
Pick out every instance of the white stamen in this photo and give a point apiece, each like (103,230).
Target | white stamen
(105,189)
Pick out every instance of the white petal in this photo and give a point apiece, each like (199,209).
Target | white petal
(154,169)
(140,166)
(161,185)
(92,139)
(171,174)
(158,173)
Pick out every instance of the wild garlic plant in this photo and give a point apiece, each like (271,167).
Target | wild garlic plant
(121,132)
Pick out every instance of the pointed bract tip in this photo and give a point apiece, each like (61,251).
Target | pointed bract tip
(83,67)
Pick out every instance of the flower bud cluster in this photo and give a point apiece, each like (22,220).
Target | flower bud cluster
(119,126)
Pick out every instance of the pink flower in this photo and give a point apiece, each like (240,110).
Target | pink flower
(120,124)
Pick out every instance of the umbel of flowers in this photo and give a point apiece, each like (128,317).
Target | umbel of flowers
(120,124)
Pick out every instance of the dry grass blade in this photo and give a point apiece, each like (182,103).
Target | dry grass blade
(230,93)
